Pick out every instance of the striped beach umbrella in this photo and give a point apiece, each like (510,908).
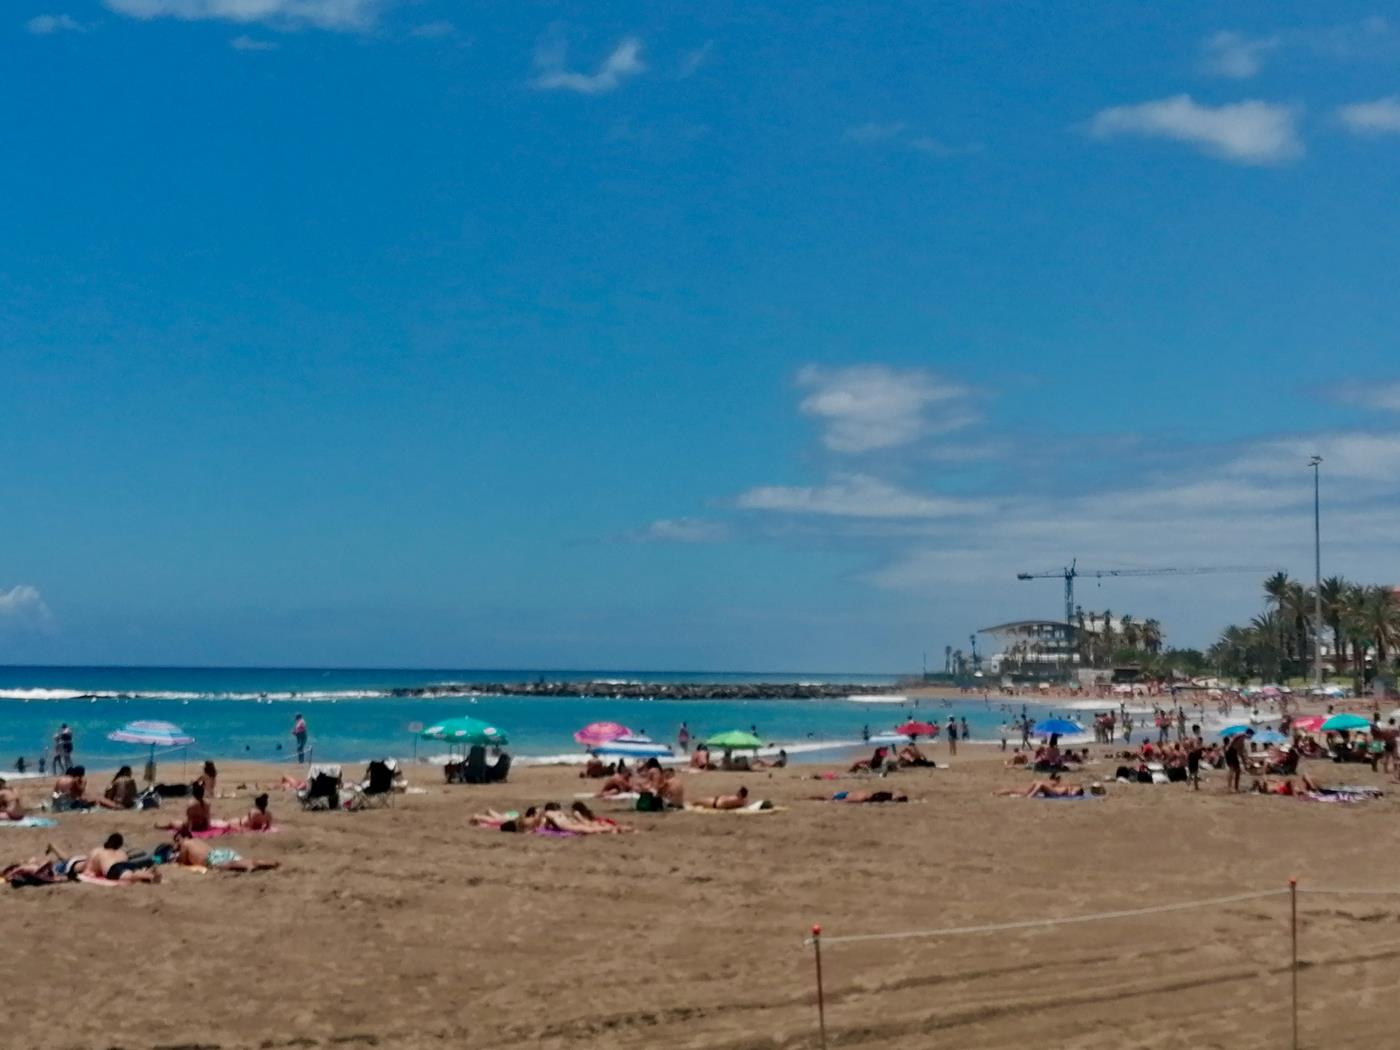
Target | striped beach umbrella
(156,734)
(596,733)
(466,731)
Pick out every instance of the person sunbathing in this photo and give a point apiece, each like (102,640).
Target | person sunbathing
(780,761)
(910,755)
(617,784)
(512,821)
(11,808)
(36,871)
(738,800)
(671,789)
(198,816)
(859,797)
(196,854)
(581,821)
(1051,788)
(1264,786)
(70,791)
(259,818)
(874,764)
(1017,759)
(121,793)
(111,861)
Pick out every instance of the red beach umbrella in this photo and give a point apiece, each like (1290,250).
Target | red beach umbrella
(601,733)
(915,729)
(1308,724)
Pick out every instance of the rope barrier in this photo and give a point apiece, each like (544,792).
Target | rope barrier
(1031,924)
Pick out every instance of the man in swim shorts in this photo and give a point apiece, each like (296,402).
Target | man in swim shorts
(112,862)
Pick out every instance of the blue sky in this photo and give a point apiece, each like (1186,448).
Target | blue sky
(723,336)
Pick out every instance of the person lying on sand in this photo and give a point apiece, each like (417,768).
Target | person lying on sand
(874,764)
(581,821)
(617,784)
(528,821)
(1265,786)
(856,797)
(910,756)
(738,800)
(111,861)
(11,808)
(732,763)
(778,762)
(196,854)
(1052,788)
(36,871)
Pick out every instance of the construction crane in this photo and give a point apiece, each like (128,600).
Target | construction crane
(1072,571)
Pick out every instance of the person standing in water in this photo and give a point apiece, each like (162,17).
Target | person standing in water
(683,739)
(299,734)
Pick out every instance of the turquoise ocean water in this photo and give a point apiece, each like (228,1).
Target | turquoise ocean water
(248,712)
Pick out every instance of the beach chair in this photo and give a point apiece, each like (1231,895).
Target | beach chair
(474,769)
(322,791)
(498,770)
(377,789)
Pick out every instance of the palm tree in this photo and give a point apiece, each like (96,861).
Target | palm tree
(1380,618)
(1152,636)
(1333,592)
(1131,633)
(1266,648)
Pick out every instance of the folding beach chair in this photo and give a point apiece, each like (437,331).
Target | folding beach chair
(322,789)
(498,770)
(474,772)
(377,789)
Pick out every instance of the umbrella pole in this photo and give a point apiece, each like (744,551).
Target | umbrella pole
(1293,924)
(821,993)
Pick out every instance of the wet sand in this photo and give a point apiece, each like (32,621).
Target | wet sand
(407,928)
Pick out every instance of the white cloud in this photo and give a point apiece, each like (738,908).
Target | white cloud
(22,606)
(682,530)
(1353,456)
(1378,117)
(1384,396)
(248,43)
(321,14)
(624,62)
(868,407)
(47,25)
(1234,55)
(694,60)
(855,496)
(1249,132)
(433,30)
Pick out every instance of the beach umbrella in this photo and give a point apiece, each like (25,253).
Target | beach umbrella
(914,729)
(734,740)
(153,734)
(1308,723)
(1345,721)
(1270,736)
(467,731)
(1058,727)
(632,747)
(601,733)
(1234,730)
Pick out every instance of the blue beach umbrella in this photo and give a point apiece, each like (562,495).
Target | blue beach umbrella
(155,734)
(1058,726)
(1234,730)
(1345,721)
(1270,736)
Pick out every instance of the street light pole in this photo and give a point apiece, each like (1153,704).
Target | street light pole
(1316,464)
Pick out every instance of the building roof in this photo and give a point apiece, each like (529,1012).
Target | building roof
(1016,626)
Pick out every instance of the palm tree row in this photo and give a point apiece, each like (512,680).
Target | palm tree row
(1102,640)
(1361,624)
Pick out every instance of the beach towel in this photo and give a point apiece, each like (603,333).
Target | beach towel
(29,822)
(761,806)
(219,830)
(1067,798)
(624,796)
(1338,795)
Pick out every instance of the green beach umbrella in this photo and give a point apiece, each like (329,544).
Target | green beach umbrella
(1345,721)
(465,731)
(734,740)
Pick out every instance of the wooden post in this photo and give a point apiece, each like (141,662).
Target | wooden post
(821,992)
(1293,926)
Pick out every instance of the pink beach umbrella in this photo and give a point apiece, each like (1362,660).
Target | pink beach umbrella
(601,733)
(1310,724)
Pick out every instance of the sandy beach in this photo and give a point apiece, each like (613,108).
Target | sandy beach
(407,928)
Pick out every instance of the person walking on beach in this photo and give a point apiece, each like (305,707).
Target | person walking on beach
(952,735)
(966,733)
(1235,752)
(1194,751)
(299,734)
(683,739)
